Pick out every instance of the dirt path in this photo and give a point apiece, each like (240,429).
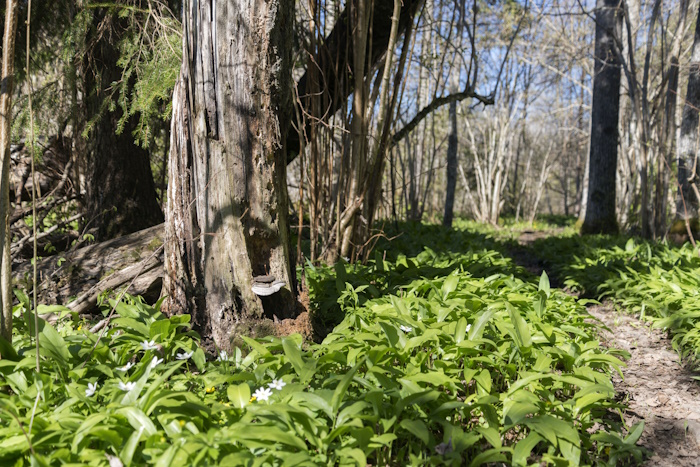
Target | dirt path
(657,388)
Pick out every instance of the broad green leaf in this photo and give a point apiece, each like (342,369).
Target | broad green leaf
(52,342)
(450,285)
(524,447)
(417,428)
(239,395)
(137,419)
(482,319)
(491,435)
(635,433)
(544,284)
(521,333)
(390,332)
(339,392)
(293,354)
(517,411)
(256,346)
(460,330)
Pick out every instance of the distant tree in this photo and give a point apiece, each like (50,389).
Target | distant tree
(688,195)
(600,214)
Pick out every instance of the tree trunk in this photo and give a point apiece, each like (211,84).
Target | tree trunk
(121,196)
(600,206)
(688,197)
(227,196)
(336,62)
(6,90)
(452,148)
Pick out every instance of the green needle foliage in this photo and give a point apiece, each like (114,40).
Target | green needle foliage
(440,358)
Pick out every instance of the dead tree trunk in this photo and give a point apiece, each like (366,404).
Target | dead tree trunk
(600,206)
(227,194)
(688,197)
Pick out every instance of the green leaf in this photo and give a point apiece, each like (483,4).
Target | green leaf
(460,330)
(138,420)
(450,285)
(482,319)
(635,433)
(524,448)
(417,428)
(521,333)
(544,284)
(256,346)
(293,354)
(339,392)
(7,352)
(391,333)
(491,435)
(54,345)
(239,395)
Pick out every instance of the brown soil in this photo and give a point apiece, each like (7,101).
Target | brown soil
(658,389)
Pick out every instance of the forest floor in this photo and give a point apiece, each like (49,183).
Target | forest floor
(657,387)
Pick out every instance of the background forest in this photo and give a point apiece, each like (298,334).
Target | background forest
(325,203)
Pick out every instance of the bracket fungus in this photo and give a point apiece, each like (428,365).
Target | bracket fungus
(264,286)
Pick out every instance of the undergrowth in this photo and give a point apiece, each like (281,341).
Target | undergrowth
(658,281)
(444,356)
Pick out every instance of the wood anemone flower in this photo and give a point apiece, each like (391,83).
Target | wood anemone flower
(264,286)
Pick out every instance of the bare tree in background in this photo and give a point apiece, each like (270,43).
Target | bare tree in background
(600,214)
(688,197)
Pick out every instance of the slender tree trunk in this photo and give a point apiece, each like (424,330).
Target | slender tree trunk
(6,90)
(121,196)
(451,173)
(688,196)
(600,207)
(227,196)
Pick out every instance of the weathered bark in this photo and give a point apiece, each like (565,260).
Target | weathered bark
(89,271)
(688,196)
(121,195)
(669,125)
(6,89)
(600,206)
(227,195)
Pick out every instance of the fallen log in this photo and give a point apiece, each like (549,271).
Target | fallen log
(77,278)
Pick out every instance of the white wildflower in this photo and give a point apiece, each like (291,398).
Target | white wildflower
(184,355)
(262,394)
(223,356)
(469,326)
(149,345)
(126,367)
(126,386)
(277,384)
(406,328)
(156,361)
(90,391)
